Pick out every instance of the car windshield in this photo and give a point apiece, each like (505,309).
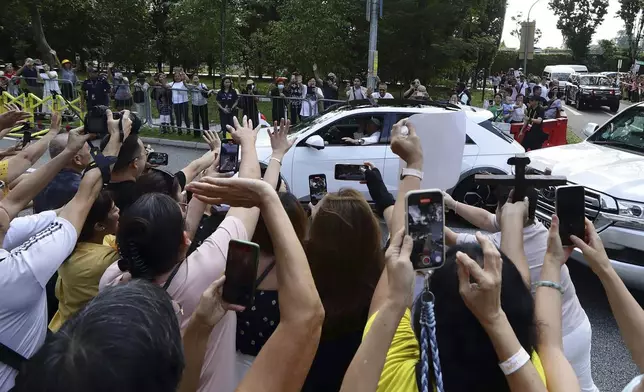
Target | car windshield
(304,124)
(560,76)
(626,131)
(489,125)
(594,81)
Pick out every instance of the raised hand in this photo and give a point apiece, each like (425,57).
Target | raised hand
(407,147)
(56,120)
(479,287)
(212,138)
(593,249)
(450,203)
(77,139)
(279,139)
(244,132)
(555,251)
(236,192)
(13,116)
(400,273)
(212,308)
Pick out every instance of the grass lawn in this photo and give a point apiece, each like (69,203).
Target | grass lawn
(572,137)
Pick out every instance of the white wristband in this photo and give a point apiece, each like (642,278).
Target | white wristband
(515,362)
(412,172)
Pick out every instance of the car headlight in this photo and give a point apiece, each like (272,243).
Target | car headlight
(629,214)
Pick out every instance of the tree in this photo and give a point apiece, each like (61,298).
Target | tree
(631,12)
(578,20)
(516,32)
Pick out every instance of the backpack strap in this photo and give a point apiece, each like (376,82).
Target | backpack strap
(264,274)
(12,358)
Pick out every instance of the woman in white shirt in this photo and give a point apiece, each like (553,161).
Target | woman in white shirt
(180,101)
(518,111)
(51,84)
(311,95)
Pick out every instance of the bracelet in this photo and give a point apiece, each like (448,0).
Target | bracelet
(515,362)
(276,160)
(411,172)
(550,284)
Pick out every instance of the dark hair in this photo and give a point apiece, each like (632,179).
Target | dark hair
(560,94)
(98,213)
(126,339)
(130,150)
(551,94)
(464,346)
(158,181)
(345,252)
(519,95)
(498,95)
(224,79)
(150,235)
(296,215)
(503,192)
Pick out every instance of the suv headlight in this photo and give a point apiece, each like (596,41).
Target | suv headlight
(629,214)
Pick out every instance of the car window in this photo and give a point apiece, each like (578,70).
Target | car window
(625,131)
(400,116)
(489,125)
(354,127)
(595,81)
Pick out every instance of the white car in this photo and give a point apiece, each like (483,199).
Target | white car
(319,147)
(610,166)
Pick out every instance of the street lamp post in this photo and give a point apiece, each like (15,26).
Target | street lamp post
(372,17)
(526,42)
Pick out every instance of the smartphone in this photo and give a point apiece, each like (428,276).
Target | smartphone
(158,158)
(350,172)
(26,138)
(426,225)
(229,157)
(241,272)
(570,206)
(317,187)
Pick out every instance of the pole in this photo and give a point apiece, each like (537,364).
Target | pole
(525,47)
(223,37)
(373,44)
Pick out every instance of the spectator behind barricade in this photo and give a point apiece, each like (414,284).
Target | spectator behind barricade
(180,100)
(131,331)
(533,126)
(496,107)
(69,79)
(345,277)
(128,168)
(30,74)
(536,92)
(13,80)
(200,94)
(162,94)
(95,90)
(329,86)
(496,81)
(576,326)
(50,88)
(518,111)
(249,101)
(34,248)
(382,92)
(311,97)
(152,241)
(506,108)
(78,276)
(357,92)
(255,326)
(278,100)
(413,87)
(464,95)
(544,88)
(554,105)
(295,91)
(227,101)
(141,88)
(121,91)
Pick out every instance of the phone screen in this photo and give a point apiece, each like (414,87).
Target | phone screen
(241,271)
(26,138)
(229,156)
(317,187)
(571,208)
(426,226)
(158,158)
(350,172)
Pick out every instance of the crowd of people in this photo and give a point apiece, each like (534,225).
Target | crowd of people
(115,283)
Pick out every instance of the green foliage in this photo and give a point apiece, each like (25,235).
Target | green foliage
(606,61)
(578,20)
(631,12)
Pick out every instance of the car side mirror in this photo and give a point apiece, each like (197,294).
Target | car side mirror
(316,142)
(589,129)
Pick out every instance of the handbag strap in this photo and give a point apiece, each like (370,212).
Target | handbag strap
(264,274)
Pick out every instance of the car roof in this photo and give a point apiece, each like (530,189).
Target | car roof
(475,114)
(555,68)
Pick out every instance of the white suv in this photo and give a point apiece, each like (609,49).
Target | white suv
(610,165)
(319,147)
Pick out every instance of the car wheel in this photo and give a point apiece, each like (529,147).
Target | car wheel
(473,194)
(614,107)
(578,104)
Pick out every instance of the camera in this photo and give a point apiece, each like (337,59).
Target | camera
(96,120)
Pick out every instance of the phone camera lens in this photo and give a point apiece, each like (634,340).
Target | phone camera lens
(425,260)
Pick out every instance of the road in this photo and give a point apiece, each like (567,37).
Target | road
(577,119)
(611,362)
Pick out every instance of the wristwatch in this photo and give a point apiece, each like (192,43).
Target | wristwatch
(411,172)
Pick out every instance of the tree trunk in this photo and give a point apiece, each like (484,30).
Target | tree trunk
(39,35)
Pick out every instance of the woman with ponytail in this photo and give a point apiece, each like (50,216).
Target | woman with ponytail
(153,243)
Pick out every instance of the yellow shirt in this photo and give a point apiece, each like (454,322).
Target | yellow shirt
(110,240)
(4,171)
(78,279)
(399,372)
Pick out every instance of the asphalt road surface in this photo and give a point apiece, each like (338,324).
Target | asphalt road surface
(611,362)
(577,119)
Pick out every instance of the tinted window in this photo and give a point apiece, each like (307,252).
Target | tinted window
(625,131)
(487,124)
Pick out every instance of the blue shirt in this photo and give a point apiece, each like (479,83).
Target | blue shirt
(58,192)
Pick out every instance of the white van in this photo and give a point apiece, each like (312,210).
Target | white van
(577,68)
(559,72)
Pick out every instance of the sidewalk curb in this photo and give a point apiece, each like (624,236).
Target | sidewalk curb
(175,143)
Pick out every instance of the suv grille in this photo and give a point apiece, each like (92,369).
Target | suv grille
(546,204)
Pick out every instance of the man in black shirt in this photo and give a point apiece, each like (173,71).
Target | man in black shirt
(95,90)
(329,86)
(534,137)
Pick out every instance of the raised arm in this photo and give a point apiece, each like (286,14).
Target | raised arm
(296,338)
(318,79)
(12,117)
(559,373)
(477,216)
(627,311)
(75,212)
(198,165)
(513,219)
(364,371)
(27,157)
(280,145)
